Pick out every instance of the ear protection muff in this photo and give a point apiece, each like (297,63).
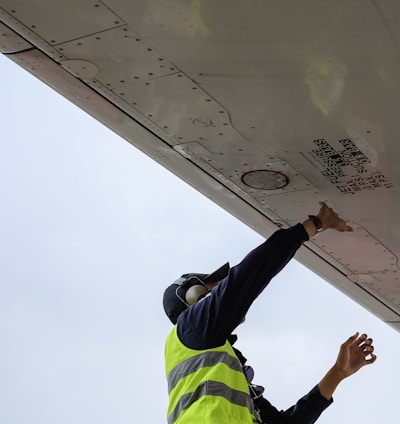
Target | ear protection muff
(191,290)
(195,293)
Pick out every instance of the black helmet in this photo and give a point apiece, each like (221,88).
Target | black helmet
(175,299)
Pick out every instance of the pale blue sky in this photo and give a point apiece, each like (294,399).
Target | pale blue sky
(91,233)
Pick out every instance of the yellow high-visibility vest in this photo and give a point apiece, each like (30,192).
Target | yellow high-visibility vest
(206,386)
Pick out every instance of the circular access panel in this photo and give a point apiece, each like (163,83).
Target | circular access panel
(265,180)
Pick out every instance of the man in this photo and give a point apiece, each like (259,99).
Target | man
(208,379)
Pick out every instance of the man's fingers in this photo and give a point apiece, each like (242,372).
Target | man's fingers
(353,337)
(346,228)
(362,338)
(368,341)
(368,350)
(364,341)
(365,344)
(371,360)
(351,340)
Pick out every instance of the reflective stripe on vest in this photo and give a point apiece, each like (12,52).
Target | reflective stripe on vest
(193,364)
(210,388)
(206,386)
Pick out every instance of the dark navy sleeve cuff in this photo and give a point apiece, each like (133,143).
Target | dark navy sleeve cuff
(306,411)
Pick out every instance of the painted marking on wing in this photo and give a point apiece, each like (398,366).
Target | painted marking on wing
(347,167)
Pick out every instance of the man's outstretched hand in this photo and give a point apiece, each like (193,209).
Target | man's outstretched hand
(356,352)
(330,219)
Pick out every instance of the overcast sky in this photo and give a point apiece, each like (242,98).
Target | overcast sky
(92,231)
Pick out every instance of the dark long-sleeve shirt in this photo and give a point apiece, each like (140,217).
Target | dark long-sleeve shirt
(211,321)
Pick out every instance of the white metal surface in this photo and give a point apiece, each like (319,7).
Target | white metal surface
(213,90)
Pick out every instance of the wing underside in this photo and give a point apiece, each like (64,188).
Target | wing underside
(265,107)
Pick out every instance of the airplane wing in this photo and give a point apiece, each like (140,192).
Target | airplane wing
(265,107)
